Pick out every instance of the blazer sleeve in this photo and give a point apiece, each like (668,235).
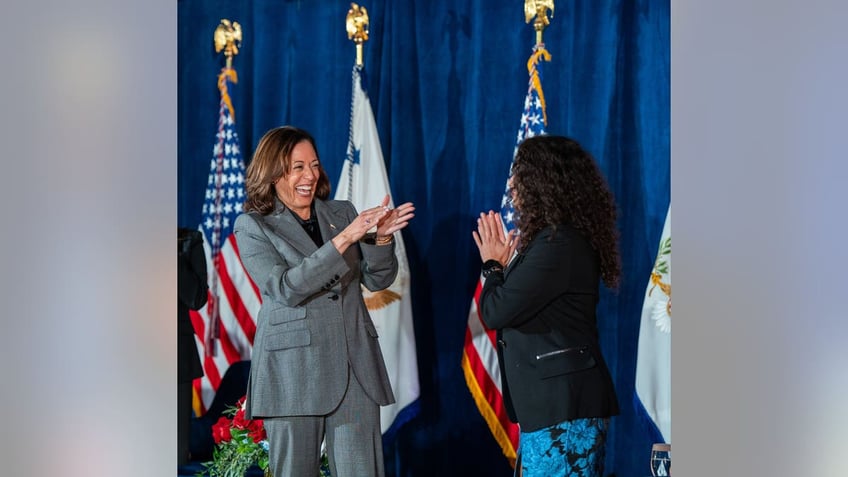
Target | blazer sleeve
(379,265)
(291,284)
(511,299)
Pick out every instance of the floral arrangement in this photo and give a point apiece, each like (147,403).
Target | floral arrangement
(241,443)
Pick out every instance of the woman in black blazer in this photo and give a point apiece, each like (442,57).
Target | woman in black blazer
(556,384)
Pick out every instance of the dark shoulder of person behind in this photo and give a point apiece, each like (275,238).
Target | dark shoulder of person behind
(191,268)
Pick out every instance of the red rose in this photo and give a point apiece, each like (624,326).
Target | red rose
(239,422)
(221,430)
(256,430)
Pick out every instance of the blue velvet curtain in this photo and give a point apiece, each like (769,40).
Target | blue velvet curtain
(447,81)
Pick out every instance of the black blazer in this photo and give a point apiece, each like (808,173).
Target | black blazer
(192,293)
(543,308)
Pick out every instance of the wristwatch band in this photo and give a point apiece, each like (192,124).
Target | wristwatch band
(490,267)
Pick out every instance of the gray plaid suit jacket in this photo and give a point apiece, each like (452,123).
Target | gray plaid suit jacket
(313,327)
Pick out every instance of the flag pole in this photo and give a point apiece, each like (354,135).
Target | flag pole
(538,9)
(356,24)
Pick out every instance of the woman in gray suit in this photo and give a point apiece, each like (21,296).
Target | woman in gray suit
(556,385)
(317,372)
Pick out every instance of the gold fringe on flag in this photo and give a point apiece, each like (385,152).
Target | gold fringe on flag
(539,53)
(487,412)
(227,73)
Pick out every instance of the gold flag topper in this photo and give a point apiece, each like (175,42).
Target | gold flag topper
(228,38)
(538,9)
(356,24)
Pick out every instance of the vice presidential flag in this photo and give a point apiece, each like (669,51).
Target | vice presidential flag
(225,327)
(364,182)
(653,359)
(480,355)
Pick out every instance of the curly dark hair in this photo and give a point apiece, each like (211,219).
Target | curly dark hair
(272,161)
(555,181)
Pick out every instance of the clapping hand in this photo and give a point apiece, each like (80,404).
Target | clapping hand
(492,241)
(395,219)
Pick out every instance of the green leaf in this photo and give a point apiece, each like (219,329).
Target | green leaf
(665,247)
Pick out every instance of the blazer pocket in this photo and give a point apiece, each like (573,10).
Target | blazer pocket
(284,315)
(564,361)
(288,339)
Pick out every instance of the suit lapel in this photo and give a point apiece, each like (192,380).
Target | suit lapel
(284,223)
(329,222)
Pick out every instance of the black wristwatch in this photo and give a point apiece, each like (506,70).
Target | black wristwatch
(491,266)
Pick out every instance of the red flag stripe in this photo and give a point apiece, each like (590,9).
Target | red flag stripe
(240,313)
(489,389)
(249,291)
(227,347)
(199,325)
(234,244)
(239,288)
(211,372)
(198,322)
(483,341)
(238,340)
(490,333)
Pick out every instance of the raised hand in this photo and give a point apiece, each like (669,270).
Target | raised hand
(396,219)
(366,221)
(363,222)
(492,242)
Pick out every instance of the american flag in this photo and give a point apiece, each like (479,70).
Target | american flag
(225,327)
(479,355)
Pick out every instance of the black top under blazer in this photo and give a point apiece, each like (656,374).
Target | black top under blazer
(543,308)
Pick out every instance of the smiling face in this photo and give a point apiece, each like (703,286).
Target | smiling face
(296,189)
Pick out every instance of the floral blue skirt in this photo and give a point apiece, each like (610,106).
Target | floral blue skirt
(569,449)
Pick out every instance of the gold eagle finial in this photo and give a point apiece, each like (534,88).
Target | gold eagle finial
(228,38)
(538,9)
(356,24)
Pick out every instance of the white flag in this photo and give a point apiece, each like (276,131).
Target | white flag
(364,182)
(653,361)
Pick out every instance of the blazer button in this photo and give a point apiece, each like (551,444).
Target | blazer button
(502,343)
(333,297)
